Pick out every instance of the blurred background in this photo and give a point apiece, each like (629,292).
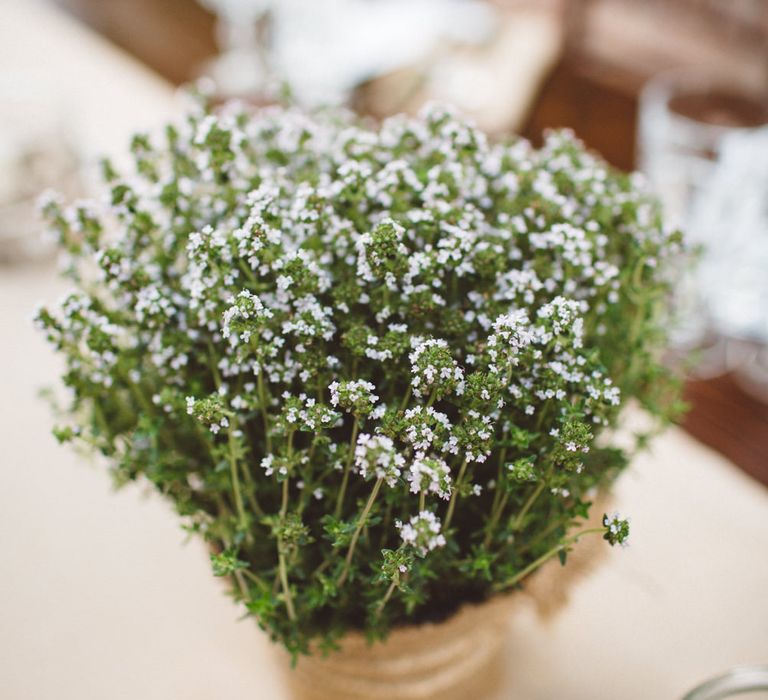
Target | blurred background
(97,598)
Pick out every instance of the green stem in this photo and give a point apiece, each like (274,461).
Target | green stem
(454,495)
(500,495)
(284,582)
(518,521)
(386,598)
(283,570)
(322,567)
(250,491)
(256,579)
(101,420)
(241,585)
(138,395)
(212,364)
(385,525)
(264,409)
(496,512)
(422,501)
(546,556)
(236,483)
(360,524)
(406,399)
(347,467)
(249,274)
(542,534)
(284,501)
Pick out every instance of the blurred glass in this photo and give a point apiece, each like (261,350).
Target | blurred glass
(36,154)
(701,145)
(684,117)
(244,67)
(746,682)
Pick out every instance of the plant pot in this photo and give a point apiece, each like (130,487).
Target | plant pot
(451,660)
(459,658)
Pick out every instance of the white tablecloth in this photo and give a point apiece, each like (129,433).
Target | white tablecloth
(99,599)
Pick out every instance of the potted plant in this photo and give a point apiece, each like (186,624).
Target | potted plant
(368,366)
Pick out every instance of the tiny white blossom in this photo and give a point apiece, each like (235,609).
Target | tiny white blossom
(422,532)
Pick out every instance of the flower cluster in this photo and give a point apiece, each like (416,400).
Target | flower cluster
(355,396)
(376,456)
(430,475)
(368,367)
(422,532)
(616,529)
(433,369)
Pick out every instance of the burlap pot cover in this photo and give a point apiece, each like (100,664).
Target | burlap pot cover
(456,659)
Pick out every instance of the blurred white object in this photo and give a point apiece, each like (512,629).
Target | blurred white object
(684,116)
(323,48)
(243,31)
(730,218)
(36,153)
(700,145)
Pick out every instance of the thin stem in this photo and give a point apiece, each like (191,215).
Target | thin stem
(542,534)
(284,582)
(236,483)
(264,407)
(499,499)
(232,458)
(546,556)
(212,364)
(518,521)
(250,492)
(499,472)
(322,567)
(360,523)
(422,501)
(283,571)
(256,579)
(540,418)
(454,495)
(98,413)
(406,399)
(347,467)
(241,585)
(284,501)
(248,273)
(386,598)
(385,524)
(138,394)
(494,519)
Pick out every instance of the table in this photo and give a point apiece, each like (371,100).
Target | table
(99,599)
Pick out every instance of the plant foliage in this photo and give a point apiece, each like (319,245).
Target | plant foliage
(367,366)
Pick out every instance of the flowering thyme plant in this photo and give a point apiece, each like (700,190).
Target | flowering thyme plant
(367,366)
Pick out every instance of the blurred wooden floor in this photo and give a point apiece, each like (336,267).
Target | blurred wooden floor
(175,37)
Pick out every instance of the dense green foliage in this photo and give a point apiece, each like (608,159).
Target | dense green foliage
(368,367)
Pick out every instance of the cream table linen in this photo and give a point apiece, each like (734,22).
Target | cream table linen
(99,600)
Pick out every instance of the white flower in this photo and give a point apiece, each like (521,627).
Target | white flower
(375,455)
(430,475)
(422,532)
(433,369)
